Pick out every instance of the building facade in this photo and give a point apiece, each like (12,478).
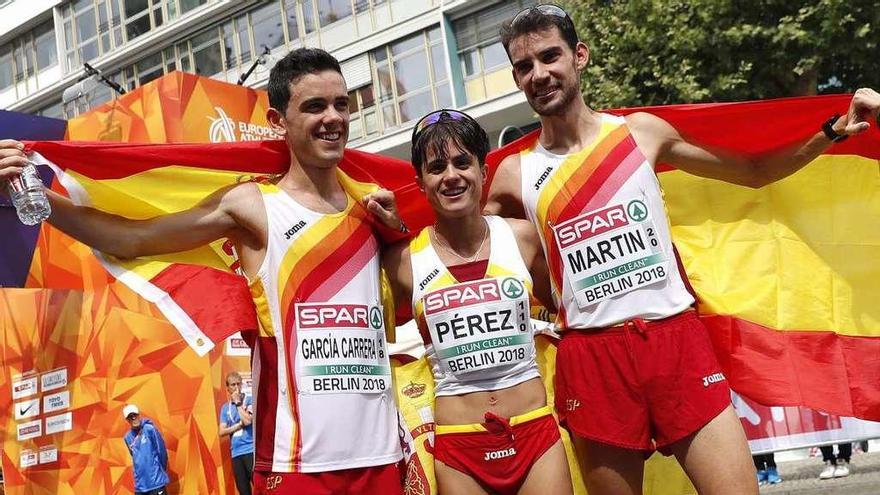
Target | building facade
(401,58)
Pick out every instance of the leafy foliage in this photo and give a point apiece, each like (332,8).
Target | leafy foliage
(652,52)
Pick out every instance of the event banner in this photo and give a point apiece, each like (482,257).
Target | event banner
(775,428)
(77,345)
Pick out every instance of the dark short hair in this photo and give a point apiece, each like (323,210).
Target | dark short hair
(293,66)
(534,21)
(466,133)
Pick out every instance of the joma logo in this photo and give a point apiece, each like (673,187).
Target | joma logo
(499,454)
(713,378)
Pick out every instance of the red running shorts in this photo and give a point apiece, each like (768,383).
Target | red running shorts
(385,479)
(499,453)
(643,385)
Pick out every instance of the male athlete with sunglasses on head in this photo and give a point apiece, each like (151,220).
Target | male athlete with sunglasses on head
(633,360)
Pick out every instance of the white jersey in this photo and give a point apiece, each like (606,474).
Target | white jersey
(323,392)
(477,333)
(605,231)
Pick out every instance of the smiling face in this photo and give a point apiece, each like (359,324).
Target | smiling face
(547,70)
(452,180)
(315,123)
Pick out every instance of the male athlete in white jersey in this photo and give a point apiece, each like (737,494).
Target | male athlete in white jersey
(635,368)
(318,429)
(469,280)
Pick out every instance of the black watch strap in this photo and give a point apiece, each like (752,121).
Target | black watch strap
(828,129)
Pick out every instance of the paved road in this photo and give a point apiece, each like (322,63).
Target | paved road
(801,477)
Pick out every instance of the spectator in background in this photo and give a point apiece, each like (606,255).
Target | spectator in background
(765,464)
(835,467)
(148,453)
(235,420)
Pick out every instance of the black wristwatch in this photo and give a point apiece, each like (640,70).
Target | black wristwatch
(828,129)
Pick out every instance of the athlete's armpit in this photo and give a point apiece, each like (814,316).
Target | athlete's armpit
(505,192)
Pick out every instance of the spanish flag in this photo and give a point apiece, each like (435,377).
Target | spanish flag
(202,291)
(787,277)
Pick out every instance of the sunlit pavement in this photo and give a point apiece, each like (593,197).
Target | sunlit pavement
(800,474)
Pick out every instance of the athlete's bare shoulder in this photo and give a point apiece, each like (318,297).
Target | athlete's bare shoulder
(505,192)
(526,236)
(651,133)
(244,202)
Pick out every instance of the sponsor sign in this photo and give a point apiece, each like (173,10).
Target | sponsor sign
(53,380)
(31,429)
(341,349)
(27,409)
(56,402)
(480,325)
(48,454)
(27,458)
(236,346)
(24,386)
(774,428)
(610,252)
(59,423)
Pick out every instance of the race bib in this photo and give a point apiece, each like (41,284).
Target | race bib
(480,325)
(610,252)
(341,349)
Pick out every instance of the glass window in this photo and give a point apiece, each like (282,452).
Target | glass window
(244,39)
(470,62)
(149,68)
(480,53)
(85,26)
(308,16)
(206,54)
(412,72)
(292,23)
(438,61)
(187,5)
(55,111)
(5,61)
(134,7)
(494,56)
(268,31)
(407,44)
(330,11)
(228,44)
(170,60)
(18,59)
(416,106)
(137,27)
(410,80)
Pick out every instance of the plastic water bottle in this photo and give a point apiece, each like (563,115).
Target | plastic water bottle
(28,196)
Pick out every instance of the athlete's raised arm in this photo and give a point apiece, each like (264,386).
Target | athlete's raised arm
(226,213)
(664,144)
(222,214)
(505,194)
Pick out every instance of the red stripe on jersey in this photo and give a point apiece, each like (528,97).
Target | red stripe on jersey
(266,395)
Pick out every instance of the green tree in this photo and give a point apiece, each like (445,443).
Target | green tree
(654,52)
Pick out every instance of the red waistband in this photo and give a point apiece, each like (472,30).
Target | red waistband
(639,324)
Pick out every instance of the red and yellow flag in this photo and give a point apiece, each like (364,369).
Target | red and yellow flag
(199,290)
(787,276)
